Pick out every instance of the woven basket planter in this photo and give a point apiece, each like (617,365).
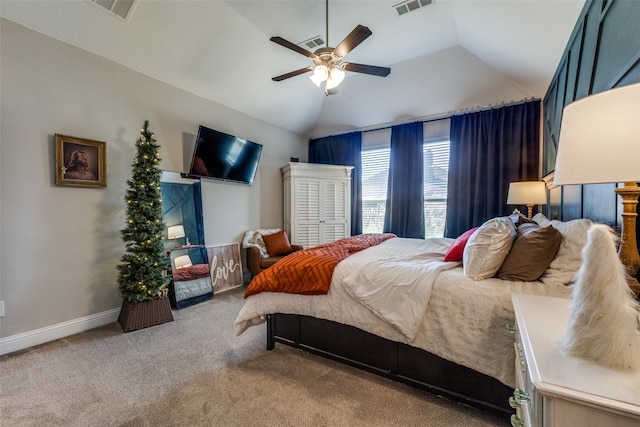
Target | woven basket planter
(138,315)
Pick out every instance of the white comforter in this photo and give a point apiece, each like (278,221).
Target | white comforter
(398,288)
(464,320)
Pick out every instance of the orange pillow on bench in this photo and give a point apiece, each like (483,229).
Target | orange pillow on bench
(277,243)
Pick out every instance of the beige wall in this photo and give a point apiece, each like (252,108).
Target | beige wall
(443,82)
(60,245)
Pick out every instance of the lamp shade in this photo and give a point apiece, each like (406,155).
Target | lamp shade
(175,232)
(320,74)
(527,193)
(182,261)
(336,76)
(600,139)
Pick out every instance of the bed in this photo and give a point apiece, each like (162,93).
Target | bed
(452,337)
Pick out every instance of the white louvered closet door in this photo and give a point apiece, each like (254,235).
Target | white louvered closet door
(334,211)
(307,214)
(317,203)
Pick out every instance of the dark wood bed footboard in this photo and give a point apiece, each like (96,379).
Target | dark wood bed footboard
(390,359)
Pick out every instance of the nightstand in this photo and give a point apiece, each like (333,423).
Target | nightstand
(557,390)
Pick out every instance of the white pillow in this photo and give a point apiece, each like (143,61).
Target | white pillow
(253,239)
(541,220)
(569,257)
(487,248)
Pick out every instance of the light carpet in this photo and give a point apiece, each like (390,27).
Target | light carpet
(195,372)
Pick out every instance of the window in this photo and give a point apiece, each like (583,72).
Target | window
(436,170)
(375,175)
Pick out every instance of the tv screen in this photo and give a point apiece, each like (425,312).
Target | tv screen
(222,156)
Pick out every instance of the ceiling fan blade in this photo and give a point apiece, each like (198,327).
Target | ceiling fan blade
(293,47)
(292,74)
(366,69)
(357,36)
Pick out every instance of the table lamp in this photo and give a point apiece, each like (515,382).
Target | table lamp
(527,193)
(175,232)
(182,261)
(600,143)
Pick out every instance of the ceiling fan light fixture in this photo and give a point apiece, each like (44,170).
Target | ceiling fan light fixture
(315,80)
(336,76)
(321,72)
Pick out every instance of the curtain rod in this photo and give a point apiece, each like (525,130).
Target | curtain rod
(492,106)
(434,117)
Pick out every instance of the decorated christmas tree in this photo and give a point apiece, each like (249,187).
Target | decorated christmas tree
(141,273)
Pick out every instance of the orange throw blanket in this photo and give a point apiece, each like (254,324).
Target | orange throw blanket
(309,271)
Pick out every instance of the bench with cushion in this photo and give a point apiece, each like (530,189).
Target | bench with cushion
(265,247)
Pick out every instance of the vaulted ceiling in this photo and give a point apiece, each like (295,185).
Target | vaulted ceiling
(445,56)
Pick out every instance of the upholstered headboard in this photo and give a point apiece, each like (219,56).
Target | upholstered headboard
(602,54)
(598,202)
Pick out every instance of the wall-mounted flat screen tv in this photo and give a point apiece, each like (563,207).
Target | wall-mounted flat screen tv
(222,156)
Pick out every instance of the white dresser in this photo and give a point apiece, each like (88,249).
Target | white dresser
(559,390)
(317,203)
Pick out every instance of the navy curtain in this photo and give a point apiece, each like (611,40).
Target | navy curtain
(404,211)
(489,149)
(343,150)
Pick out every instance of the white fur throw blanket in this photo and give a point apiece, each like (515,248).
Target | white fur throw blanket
(603,321)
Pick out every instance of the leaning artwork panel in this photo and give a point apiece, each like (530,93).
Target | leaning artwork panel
(225,267)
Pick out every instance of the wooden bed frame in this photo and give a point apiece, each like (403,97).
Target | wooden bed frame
(390,359)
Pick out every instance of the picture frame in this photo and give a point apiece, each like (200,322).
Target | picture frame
(80,162)
(225,267)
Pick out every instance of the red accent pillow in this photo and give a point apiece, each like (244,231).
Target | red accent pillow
(455,251)
(277,243)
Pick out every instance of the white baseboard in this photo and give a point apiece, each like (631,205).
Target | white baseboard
(54,332)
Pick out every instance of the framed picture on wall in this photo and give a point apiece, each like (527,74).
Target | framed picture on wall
(225,267)
(80,162)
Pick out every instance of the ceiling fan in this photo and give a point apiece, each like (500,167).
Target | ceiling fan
(328,67)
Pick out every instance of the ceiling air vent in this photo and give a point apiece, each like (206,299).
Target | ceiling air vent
(312,43)
(120,8)
(411,5)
